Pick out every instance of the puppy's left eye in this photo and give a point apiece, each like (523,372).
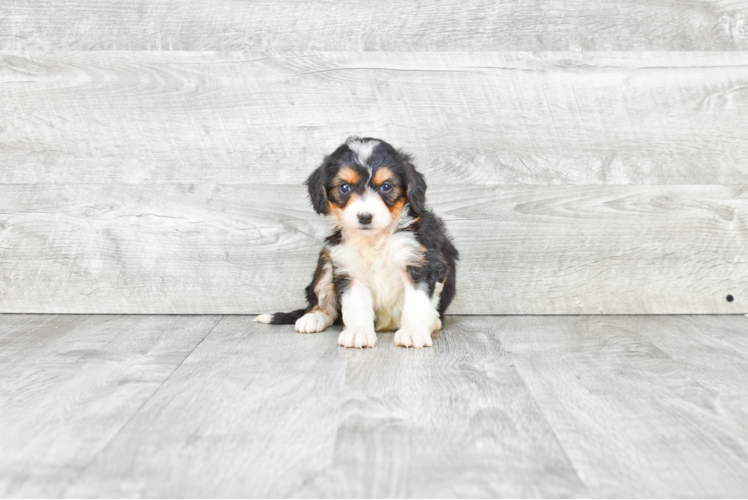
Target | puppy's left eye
(386,187)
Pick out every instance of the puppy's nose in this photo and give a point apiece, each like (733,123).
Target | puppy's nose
(365,218)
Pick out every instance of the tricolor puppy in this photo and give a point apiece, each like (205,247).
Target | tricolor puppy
(389,264)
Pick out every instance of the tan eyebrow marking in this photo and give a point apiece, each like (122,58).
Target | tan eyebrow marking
(382,175)
(349,175)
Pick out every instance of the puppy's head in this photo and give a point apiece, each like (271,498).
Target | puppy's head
(365,184)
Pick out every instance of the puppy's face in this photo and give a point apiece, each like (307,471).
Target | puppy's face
(365,185)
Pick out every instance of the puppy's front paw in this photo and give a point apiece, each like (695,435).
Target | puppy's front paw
(357,337)
(410,337)
(312,322)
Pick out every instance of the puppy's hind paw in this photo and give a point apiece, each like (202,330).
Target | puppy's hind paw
(312,322)
(357,337)
(409,337)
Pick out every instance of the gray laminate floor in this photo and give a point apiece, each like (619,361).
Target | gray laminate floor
(517,406)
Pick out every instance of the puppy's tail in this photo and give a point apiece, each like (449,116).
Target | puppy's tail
(281,318)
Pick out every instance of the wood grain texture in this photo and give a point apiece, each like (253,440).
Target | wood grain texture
(501,406)
(713,349)
(216,249)
(261,411)
(468,118)
(385,25)
(68,384)
(634,421)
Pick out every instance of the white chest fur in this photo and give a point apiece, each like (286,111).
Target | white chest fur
(381,264)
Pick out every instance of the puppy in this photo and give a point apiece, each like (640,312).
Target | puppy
(389,264)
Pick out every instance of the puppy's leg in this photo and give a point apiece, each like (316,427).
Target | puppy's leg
(321,297)
(358,316)
(438,287)
(419,319)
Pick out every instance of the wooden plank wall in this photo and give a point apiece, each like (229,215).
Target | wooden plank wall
(386,25)
(588,158)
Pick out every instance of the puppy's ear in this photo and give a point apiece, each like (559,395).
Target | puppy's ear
(416,190)
(317,193)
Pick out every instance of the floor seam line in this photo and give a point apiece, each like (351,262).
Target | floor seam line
(545,419)
(136,412)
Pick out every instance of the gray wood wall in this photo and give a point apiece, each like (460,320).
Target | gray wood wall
(589,157)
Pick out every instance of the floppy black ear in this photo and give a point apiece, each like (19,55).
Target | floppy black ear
(317,193)
(416,190)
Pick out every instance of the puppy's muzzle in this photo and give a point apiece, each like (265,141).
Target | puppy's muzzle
(365,219)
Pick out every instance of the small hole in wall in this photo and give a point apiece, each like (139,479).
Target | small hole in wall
(730,298)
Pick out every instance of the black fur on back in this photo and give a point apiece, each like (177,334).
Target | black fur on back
(440,259)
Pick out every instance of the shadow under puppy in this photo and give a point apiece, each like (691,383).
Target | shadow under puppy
(389,264)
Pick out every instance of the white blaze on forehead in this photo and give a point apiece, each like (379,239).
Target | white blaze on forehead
(363,150)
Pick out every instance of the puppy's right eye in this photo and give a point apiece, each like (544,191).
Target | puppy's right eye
(345,188)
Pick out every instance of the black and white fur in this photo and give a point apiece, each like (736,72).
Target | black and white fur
(389,264)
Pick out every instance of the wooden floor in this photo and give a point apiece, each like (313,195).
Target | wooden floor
(520,406)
